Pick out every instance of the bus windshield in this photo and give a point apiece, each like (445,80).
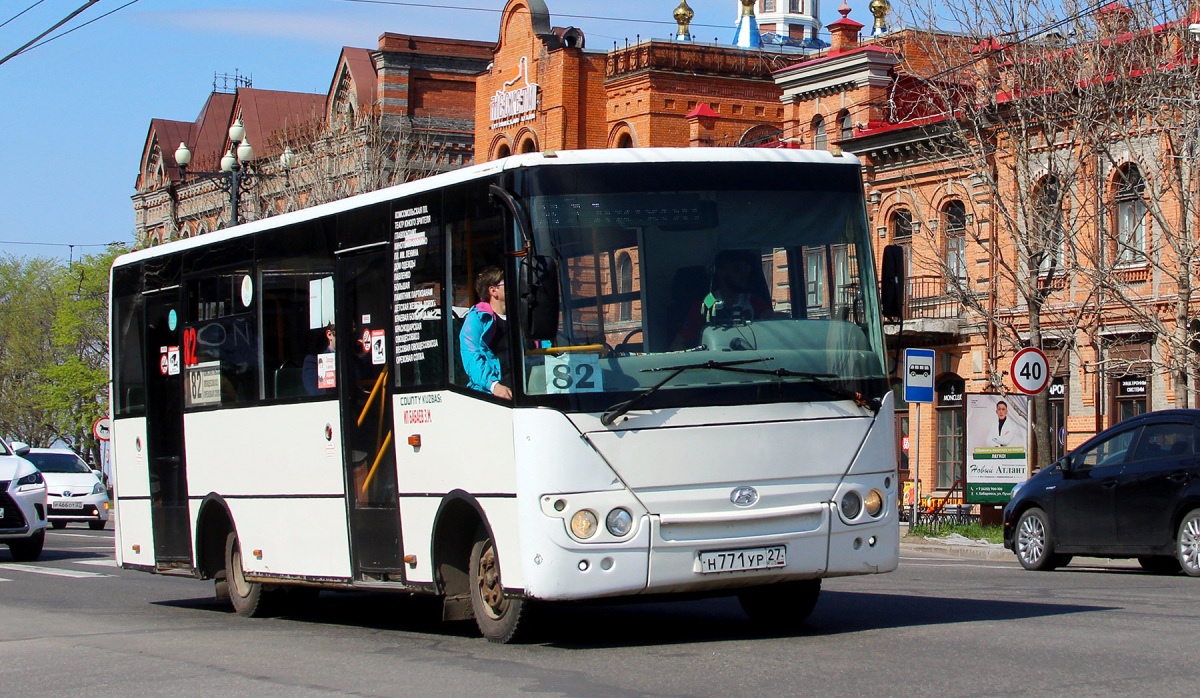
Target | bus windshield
(766,265)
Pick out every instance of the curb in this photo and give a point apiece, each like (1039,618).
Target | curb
(989,553)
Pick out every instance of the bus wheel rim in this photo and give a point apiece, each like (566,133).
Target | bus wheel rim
(490,588)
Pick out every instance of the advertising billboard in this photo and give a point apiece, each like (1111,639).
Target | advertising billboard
(997,446)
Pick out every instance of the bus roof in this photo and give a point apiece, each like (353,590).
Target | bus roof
(547,158)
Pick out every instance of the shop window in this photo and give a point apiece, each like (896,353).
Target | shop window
(1132,396)
(951,434)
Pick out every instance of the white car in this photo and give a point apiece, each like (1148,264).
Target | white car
(74,491)
(22,505)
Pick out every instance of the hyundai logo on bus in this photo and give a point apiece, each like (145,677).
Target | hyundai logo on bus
(918,375)
(744,496)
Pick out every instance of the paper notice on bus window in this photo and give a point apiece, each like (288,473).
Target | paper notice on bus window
(203,384)
(326,373)
(574,373)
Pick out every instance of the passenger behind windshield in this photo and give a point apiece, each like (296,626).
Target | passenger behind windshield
(484,337)
(738,294)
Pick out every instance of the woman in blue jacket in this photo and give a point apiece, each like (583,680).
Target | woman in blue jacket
(484,336)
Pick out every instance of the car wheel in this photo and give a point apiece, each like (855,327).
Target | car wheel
(500,618)
(1159,564)
(58,524)
(1034,545)
(780,607)
(1187,543)
(97,525)
(248,598)
(29,549)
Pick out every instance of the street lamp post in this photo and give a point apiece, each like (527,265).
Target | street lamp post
(234,177)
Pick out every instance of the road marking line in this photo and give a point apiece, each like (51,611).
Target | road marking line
(2,579)
(53,571)
(71,535)
(97,563)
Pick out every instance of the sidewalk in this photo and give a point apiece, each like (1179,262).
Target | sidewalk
(954,546)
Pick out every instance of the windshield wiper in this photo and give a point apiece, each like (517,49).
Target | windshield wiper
(817,380)
(611,414)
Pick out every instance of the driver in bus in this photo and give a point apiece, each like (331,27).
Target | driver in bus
(734,298)
(483,341)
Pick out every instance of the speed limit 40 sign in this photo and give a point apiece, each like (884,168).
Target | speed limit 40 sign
(1030,371)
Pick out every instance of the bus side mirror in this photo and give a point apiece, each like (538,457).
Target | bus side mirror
(892,282)
(539,297)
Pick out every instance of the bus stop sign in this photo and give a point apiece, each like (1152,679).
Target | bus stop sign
(918,375)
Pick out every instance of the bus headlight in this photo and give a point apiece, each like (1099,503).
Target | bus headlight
(851,505)
(583,523)
(619,522)
(874,503)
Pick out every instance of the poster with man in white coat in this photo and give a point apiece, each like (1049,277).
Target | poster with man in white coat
(997,449)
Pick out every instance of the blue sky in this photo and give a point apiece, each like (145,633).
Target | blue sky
(75,112)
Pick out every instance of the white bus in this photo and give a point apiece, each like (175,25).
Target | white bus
(690,357)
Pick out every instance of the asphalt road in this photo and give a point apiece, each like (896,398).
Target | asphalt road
(73,624)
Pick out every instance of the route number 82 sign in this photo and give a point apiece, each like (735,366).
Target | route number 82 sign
(1030,371)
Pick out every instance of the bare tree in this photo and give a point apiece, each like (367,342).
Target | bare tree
(355,155)
(1148,178)
(1001,125)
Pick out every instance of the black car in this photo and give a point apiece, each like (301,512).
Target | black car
(1131,491)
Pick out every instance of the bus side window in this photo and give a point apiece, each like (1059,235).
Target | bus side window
(129,389)
(475,231)
(297,305)
(420,300)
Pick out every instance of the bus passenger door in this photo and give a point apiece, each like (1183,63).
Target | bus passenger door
(365,379)
(164,430)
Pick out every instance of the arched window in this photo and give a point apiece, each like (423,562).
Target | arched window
(902,226)
(820,141)
(847,125)
(954,222)
(625,285)
(624,141)
(1048,217)
(503,151)
(527,146)
(1131,216)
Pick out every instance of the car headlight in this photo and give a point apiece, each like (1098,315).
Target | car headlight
(98,488)
(619,522)
(874,503)
(583,523)
(34,478)
(851,505)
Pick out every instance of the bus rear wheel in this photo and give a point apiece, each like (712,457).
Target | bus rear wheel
(781,607)
(249,599)
(500,618)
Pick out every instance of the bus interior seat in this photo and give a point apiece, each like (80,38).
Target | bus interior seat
(289,382)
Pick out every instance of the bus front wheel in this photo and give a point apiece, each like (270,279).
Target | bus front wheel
(500,618)
(781,607)
(249,599)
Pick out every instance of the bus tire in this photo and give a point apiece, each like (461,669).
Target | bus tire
(780,607)
(500,618)
(249,599)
